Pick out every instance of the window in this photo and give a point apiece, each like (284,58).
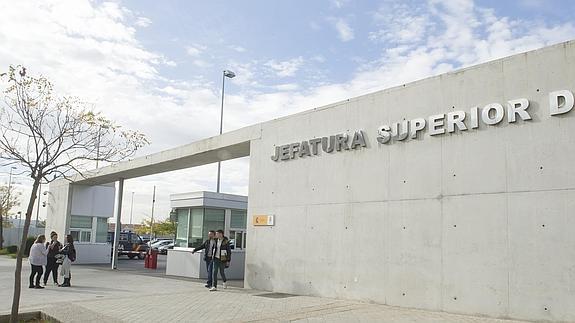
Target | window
(80,222)
(81,228)
(238,220)
(182,229)
(214,219)
(195,237)
(101,229)
(238,238)
(89,229)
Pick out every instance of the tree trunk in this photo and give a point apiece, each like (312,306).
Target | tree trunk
(18,271)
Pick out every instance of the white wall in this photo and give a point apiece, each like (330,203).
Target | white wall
(80,200)
(93,253)
(93,200)
(58,207)
(477,222)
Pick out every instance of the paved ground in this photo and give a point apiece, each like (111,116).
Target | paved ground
(102,295)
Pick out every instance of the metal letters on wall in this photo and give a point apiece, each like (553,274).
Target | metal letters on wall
(560,102)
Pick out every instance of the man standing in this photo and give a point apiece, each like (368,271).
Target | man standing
(222,256)
(208,247)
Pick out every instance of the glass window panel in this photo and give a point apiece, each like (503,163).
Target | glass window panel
(213,220)
(182,230)
(195,237)
(239,240)
(85,236)
(80,222)
(75,235)
(101,230)
(238,220)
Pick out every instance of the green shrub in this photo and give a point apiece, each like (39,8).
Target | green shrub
(29,243)
(3,252)
(12,249)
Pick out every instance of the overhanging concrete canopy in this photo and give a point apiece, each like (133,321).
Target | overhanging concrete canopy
(227,146)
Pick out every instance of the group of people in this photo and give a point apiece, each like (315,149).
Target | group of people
(217,255)
(51,255)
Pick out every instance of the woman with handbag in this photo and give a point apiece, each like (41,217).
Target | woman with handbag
(69,253)
(53,247)
(37,259)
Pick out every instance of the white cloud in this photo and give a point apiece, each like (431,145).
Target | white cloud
(238,49)
(143,22)
(400,23)
(344,31)
(285,68)
(195,50)
(287,87)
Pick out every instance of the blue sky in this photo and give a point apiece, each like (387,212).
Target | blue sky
(156,65)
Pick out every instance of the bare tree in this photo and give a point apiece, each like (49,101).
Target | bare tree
(9,198)
(49,137)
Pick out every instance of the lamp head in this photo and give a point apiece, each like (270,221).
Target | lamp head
(229,74)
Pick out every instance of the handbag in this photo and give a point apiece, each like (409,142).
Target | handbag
(60,259)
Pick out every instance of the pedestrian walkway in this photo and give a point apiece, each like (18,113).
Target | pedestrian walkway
(102,295)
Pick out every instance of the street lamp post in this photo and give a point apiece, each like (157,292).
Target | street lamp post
(230,74)
(132,211)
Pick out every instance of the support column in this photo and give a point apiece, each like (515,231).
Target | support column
(118,215)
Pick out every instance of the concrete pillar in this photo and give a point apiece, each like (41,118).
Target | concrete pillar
(118,215)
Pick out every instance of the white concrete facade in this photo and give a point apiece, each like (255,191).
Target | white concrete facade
(94,202)
(478,221)
(475,221)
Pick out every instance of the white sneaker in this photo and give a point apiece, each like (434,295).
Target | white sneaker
(225,285)
(213,289)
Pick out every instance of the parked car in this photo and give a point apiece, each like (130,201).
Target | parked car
(151,242)
(160,243)
(131,244)
(163,250)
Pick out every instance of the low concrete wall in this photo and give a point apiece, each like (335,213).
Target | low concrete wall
(93,253)
(181,262)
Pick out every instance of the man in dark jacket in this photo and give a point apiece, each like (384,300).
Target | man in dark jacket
(53,247)
(208,247)
(222,256)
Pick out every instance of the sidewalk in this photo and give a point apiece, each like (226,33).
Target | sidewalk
(102,295)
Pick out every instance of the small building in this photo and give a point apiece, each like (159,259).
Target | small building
(197,213)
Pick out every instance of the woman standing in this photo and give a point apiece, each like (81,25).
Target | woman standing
(69,253)
(53,247)
(37,259)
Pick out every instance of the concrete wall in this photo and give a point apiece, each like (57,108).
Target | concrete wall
(181,262)
(93,200)
(65,200)
(477,222)
(58,207)
(93,253)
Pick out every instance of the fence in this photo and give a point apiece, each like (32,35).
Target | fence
(12,236)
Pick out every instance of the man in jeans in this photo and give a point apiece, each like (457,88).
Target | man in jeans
(222,256)
(208,246)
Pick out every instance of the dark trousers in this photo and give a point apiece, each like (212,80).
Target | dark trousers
(51,267)
(210,267)
(218,266)
(36,270)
